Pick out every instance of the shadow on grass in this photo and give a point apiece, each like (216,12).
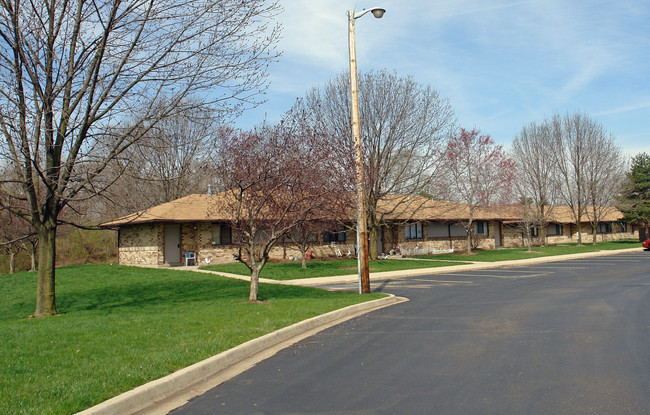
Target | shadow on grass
(139,288)
(109,288)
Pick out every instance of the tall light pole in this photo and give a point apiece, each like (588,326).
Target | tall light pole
(362,219)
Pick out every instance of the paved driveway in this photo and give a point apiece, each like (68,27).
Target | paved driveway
(559,338)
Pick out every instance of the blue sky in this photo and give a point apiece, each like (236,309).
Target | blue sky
(502,63)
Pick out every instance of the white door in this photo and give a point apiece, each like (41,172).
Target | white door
(173,244)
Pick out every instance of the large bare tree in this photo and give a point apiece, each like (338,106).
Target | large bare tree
(604,175)
(81,81)
(590,167)
(404,127)
(535,181)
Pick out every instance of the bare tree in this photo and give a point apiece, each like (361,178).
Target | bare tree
(170,161)
(528,218)
(604,175)
(306,234)
(479,173)
(535,178)
(16,235)
(82,81)
(276,180)
(404,126)
(583,173)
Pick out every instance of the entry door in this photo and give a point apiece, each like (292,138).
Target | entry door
(173,244)
(497,234)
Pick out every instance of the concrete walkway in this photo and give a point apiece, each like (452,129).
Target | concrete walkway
(172,391)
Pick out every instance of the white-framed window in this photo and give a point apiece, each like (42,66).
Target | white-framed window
(413,230)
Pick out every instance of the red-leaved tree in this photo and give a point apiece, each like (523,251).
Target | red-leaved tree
(275,178)
(479,173)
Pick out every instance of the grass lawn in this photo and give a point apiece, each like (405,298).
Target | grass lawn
(293,270)
(538,251)
(121,327)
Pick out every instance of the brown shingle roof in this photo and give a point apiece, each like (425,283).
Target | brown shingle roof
(563,214)
(204,208)
(192,208)
(396,207)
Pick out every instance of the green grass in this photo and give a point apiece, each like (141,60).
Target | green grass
(538,251)
(121,327)
(293,270)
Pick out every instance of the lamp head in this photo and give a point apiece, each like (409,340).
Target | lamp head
(378,13)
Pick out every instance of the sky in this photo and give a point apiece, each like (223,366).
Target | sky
(502,64)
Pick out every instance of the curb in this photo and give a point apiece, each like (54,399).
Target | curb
(143,396)
(415,272)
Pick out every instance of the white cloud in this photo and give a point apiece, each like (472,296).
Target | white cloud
(626,108)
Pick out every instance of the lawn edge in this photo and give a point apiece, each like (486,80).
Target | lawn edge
(183,381)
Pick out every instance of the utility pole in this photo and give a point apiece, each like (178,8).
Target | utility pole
(362,217)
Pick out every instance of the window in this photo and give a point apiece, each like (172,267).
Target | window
(481,228)
(437,230)
(534,231)
(554,229)
(604,227)
(221,234)
(334,236)
(413,231)
(456,230)
(620,227)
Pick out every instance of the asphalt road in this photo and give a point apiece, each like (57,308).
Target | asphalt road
(558,338)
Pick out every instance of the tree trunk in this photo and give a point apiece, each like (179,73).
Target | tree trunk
(372,239)
(579,226)
(255,283)
(32,254)
(12,261)
(45,294)
(469,241)
(303,257)
(594,232)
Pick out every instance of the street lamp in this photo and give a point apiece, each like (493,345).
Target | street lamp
(362,220)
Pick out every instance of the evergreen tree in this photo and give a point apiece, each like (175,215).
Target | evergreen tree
(634,201)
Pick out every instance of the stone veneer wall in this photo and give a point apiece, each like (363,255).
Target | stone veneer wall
(144,244)
(515,238)
(426,244)
(141,244)
(197,237)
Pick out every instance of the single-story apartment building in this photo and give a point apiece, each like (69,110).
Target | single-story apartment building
(198,224)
